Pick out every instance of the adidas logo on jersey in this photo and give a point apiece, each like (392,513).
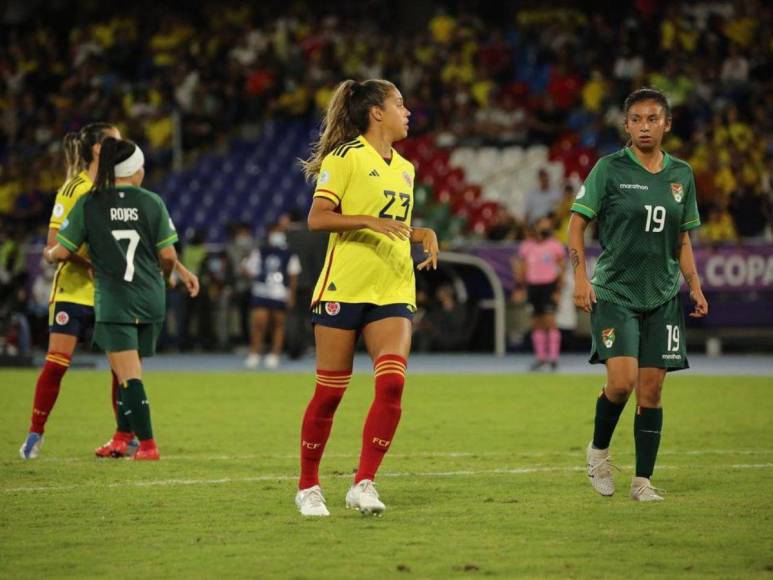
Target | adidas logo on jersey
(374,173)
(633,186)
(332,287)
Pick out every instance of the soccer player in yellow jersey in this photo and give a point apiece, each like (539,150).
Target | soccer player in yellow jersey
(71,308)
(364,198)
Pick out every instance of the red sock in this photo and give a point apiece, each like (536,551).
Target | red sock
(384,414)
(47,389)
(317,422)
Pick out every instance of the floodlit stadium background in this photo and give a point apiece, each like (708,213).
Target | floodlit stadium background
(225,97)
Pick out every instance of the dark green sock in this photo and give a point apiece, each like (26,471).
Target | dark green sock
(121,420)
(136,408)
(607,415)
(646,431)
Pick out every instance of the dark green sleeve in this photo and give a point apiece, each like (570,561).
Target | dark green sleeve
(690,219)
(73,231)
(588,200)
(166,235)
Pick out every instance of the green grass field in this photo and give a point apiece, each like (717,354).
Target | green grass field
(484,479)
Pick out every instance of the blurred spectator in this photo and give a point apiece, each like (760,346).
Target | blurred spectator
(543,200)
(718,228)
(274,270)
(447,324)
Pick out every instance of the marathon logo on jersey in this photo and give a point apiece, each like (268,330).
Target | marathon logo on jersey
(124,214)
(677,191)
(634,186)
(332,308)
(62,318)
(672,356)
(608,337)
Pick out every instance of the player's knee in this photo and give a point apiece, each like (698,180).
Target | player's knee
(648,394)
(389,389)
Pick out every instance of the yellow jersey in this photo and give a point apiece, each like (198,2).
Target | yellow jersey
(363,265)
(72,282)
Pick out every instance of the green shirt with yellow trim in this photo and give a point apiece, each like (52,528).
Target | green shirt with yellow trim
(124,230)
(641,217)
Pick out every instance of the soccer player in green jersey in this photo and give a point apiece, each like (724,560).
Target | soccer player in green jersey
(644,202)
(130,238)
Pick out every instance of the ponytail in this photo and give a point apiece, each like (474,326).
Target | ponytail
(112,153)
(347,116)
(72,158)
(78,146)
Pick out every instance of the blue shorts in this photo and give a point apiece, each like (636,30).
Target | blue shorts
(256,302)
(70,318)
(356,315)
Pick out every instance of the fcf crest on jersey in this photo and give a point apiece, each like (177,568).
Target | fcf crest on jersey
(332,308)
(677,191)
(62,318)
(407,178)
(608,337)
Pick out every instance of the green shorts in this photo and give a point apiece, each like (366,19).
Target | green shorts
(655,337)
(117,337)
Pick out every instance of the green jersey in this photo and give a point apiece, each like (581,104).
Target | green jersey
(124,231)
(641,216)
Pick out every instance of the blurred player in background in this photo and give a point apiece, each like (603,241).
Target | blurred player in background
(274,272)
(645,203)
(364,198)
(540,268)
(130,238)
(71,310)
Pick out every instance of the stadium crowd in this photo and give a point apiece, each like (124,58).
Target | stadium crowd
(490,77)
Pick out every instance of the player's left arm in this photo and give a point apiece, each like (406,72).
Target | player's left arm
(56,253)
(427,238)
(690,273)
(690,221)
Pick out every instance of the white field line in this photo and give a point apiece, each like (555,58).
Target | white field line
(407,474)
(451,454)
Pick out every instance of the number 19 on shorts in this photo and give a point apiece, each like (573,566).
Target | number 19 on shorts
(673,337)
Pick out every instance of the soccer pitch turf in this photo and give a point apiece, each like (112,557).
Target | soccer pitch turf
(485,478)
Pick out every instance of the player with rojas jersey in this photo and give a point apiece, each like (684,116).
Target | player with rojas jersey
(130,237)
(644,201)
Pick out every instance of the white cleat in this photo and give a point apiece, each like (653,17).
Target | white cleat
(272,361)
(30,449)
(364,497)
(642,490)
(311,502)
(600,470)
(252,361)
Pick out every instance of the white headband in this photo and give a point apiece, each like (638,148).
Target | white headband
(132,165)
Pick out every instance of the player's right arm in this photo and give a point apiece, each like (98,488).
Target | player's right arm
(584,209)
(331,188)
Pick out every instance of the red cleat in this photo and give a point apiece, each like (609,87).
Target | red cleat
(117,448)
(150,454)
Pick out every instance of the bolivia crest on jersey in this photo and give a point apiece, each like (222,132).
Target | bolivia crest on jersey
(608,337)
(677,191)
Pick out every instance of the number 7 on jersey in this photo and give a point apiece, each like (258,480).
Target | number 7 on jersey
(134,241)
